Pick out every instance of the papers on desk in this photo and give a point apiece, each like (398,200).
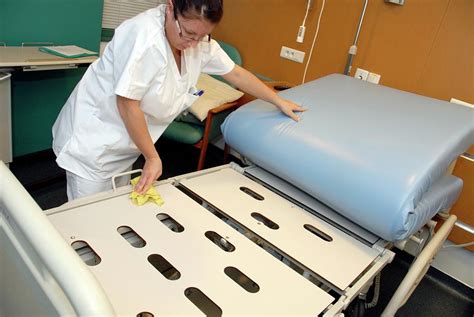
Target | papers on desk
(68,51)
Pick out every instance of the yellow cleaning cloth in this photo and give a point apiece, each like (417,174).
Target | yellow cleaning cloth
(150,195)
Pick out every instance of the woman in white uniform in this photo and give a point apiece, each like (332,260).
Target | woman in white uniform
(145,78)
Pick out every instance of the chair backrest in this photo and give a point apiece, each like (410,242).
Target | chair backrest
(233,54)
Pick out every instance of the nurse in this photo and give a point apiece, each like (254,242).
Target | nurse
(145,78)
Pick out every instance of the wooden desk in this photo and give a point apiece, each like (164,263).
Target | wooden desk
(30,58)
(14,59)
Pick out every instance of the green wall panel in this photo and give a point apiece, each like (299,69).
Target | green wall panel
(60,21)
(37,97)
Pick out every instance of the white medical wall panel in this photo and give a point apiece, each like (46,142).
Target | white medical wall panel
(117,11)
(134,285)
(5,119)
(339,261)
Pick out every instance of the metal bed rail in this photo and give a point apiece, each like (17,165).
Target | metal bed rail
(29,229)
(419,268)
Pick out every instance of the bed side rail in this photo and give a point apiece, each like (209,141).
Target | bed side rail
(25,219)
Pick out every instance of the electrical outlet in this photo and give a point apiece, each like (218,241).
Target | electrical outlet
(292,54)
(373,78)
(361,74)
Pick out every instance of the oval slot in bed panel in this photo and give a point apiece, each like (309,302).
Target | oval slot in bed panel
(87,254)
(204,303)
(251,193)
(266,221)
(169,222)
(131,236)
(164,267)
(220,241)
(318,232)
(243,280)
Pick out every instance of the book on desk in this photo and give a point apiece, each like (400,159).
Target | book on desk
(67,51)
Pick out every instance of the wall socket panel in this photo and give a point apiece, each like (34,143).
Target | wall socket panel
(363,74)
(292,54)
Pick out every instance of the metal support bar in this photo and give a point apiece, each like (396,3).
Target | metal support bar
(419,268)
(353,48)
(34,68)
(464,226)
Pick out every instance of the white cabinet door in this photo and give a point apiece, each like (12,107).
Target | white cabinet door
(5,118)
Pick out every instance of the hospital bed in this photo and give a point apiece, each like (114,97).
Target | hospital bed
(303,229)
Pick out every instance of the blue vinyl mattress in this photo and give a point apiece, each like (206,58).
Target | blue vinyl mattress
(374,154)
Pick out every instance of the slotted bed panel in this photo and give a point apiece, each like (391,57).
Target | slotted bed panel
(327,251)
(201,267)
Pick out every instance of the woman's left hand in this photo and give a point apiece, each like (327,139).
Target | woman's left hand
(289,108)
(250,84)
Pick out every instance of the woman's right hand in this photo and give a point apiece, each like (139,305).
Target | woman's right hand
(134,119)
(152,169)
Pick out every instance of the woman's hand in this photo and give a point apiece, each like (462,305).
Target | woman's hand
(151,171)
(247,82)
(289,108)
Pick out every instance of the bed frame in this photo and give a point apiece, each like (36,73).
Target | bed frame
(227,241)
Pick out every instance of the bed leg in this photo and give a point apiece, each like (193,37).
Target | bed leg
(419,268)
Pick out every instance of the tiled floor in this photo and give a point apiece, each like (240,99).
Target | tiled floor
(437,294)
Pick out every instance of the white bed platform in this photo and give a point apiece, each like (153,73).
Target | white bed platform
(228,241)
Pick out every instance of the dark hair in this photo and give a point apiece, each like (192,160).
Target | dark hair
(211,10)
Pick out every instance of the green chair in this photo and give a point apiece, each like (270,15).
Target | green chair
(188,129)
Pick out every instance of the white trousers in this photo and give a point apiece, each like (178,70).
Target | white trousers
(80,187)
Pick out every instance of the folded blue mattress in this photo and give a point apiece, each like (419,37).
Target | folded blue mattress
(374,154)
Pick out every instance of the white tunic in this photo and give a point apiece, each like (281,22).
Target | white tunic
(90,138)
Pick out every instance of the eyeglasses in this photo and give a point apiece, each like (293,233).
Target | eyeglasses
(183,35)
